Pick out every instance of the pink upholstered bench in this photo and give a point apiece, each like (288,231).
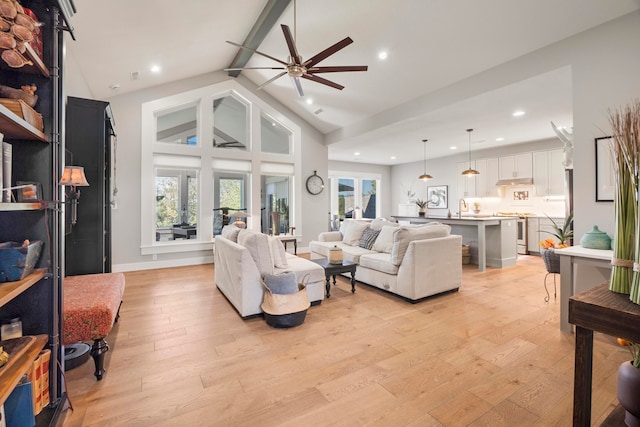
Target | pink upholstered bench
(91,307)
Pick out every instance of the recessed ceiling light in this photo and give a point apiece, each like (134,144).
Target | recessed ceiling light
(383,55)
(392,157)
(155,69)
(356,154)
(518,113)
(453,147)
(500,139)
(309,101)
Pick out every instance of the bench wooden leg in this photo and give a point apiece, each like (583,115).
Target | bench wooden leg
(99,348)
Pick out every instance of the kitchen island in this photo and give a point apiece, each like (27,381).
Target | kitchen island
(492,240)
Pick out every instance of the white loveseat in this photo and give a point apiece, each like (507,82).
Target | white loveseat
(242,257)
(411,261)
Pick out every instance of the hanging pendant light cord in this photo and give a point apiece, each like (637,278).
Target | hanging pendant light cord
(295,13)
(425,155)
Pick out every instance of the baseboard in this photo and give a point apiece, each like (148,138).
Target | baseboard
(151,265)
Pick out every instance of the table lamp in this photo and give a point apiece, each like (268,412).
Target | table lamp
(238,222)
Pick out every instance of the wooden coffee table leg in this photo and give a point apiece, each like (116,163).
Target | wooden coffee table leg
(328,286)
(353,281)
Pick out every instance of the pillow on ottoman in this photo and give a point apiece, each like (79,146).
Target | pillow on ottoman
(284,283)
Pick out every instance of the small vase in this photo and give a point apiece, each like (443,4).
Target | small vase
(629,392)
(595,239)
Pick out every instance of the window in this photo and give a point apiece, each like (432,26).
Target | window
(190,190)
(231,123)
(177,126)
(176,202)
(275,137)
(229,197)
(354,196)
(276,199)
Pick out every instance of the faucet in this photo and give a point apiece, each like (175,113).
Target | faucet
(462,203)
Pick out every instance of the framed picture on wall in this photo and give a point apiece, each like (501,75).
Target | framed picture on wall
(605,182)
(438,197)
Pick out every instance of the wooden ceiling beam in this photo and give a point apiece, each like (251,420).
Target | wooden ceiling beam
(267,19)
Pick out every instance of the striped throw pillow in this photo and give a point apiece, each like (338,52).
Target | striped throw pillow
(368,238)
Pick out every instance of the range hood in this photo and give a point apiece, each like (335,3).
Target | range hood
(515,181)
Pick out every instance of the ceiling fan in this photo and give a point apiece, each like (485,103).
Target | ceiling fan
(296,68)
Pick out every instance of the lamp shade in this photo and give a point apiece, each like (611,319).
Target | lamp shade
(74,176)
(239,214)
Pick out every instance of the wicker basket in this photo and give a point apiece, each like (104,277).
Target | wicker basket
(551,261)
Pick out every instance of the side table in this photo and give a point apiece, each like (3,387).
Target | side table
(287,238)
(600,310)
(334,269)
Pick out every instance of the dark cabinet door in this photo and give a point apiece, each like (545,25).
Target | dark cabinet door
(89,128)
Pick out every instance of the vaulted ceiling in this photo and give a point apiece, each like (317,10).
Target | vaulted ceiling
(430,44)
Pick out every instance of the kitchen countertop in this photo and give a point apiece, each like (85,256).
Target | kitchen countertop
(455,218)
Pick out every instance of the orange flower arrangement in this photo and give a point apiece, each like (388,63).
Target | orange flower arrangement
(550,244)
(634,348)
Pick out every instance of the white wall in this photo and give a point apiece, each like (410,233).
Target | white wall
(126,217)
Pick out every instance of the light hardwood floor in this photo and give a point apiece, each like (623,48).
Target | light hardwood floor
(491,354)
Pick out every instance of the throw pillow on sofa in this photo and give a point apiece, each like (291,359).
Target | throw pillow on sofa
(258,246)
(368,238)
(352,231)
(384,241)
(278,253)
(230,232)
(284,283)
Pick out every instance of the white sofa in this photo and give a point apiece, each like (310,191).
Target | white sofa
(411,261)
(242,257)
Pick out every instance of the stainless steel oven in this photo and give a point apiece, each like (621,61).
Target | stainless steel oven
(522,235)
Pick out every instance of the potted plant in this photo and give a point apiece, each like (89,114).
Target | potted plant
(629,384)
(422,206)
(563,233)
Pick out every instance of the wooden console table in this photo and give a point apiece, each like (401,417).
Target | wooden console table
(601,310)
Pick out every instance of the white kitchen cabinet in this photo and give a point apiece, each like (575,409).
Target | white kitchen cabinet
(533,236)
(486,181)
(466,184)
(548,173)
(517,166)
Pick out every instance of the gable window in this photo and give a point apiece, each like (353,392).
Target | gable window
(191,190)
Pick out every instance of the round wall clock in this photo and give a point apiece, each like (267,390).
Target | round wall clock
(315,184)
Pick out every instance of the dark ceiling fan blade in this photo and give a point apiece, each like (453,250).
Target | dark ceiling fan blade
(341,69)
(271,80)
(254,68)
(291,44)
(258,52)
(298,85)
(328,52)
(322,81)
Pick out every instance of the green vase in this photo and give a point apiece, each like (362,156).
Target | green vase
(595,239)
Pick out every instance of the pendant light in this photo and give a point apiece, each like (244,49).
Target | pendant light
(470,171)
(425,176)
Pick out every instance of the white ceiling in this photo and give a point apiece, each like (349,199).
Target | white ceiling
(431,44)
